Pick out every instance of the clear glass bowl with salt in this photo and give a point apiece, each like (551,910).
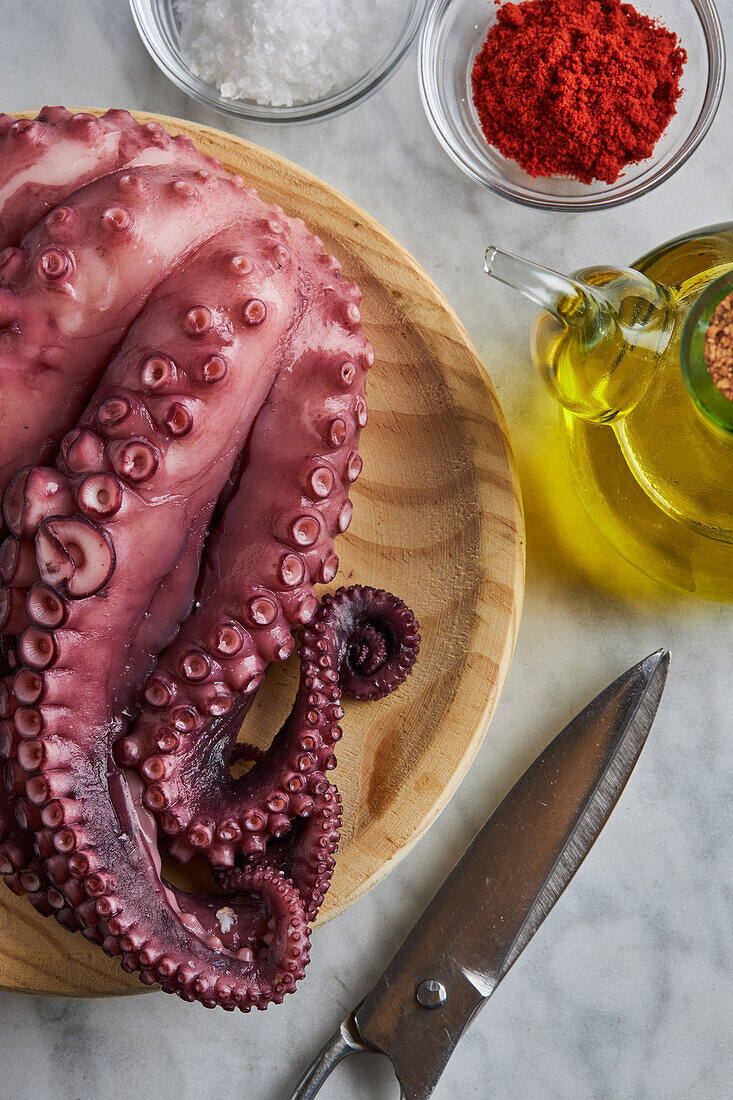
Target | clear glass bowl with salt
(278,60)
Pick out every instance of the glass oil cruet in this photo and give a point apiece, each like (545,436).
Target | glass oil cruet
(648,431)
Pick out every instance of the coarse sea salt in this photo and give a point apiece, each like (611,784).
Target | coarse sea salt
(283,52)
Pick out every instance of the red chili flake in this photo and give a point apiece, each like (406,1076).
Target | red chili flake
(576,87)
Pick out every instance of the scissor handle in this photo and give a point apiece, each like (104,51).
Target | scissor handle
(343,1042)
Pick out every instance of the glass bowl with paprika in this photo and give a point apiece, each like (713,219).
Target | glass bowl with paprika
(571,104)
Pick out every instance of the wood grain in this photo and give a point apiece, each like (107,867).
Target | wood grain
(437,520)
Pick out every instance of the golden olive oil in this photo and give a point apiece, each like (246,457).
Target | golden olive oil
(653,470)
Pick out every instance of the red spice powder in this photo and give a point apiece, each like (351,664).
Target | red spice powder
(576,87)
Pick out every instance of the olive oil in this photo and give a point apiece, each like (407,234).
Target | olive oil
(648,440)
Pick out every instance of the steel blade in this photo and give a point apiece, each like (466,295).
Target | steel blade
(503,887)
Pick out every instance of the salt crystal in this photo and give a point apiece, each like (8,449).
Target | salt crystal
(225,917)
(283,52)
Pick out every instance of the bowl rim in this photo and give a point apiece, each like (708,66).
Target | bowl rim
(709,17)
(325,107)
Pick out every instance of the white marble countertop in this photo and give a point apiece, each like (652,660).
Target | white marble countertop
(627,991)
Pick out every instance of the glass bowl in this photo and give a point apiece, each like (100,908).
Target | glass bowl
(158,27)
(455,30)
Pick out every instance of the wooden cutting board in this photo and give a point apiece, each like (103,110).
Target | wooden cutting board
(437,520)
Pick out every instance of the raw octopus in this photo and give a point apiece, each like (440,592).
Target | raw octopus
(182,376)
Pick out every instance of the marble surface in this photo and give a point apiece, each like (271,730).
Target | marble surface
(627,991)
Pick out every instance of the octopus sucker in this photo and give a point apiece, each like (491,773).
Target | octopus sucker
(169,509)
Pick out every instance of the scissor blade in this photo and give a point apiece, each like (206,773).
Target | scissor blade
(507,881)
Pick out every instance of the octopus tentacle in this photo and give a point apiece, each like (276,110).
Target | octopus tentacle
(282,947)
(306,854)
(43,160)
(78,513)
(240,818)
(257,583)
(327,646)
(84,852)
(85,273)
(306,851)
(22,870)
(243,948)
(378,639)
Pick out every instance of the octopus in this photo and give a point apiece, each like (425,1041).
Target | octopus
(182,379)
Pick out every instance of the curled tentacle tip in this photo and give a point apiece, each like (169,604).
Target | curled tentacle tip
(380,639)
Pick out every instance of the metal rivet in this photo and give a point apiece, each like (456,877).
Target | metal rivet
(431,994)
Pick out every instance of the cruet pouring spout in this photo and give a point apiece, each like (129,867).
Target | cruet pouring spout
(598,337)
(566,299)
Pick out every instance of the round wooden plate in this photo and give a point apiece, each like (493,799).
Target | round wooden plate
(437,520)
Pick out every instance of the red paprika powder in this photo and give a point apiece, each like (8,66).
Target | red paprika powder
(576,87)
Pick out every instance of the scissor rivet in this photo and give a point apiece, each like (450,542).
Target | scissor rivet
(431,994)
